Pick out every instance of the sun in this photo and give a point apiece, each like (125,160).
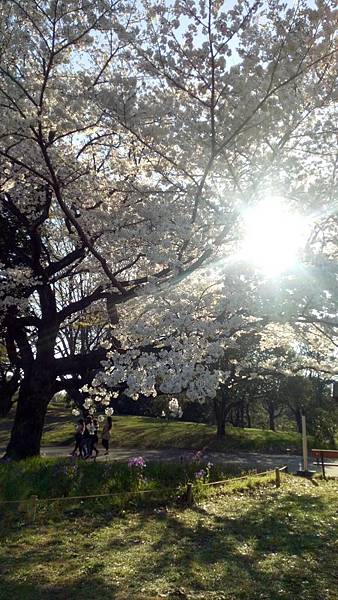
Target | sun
(273,236)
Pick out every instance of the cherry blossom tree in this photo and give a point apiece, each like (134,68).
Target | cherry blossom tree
(131,138)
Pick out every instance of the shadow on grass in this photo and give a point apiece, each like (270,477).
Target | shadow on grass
(265,550)
(274,547)
(84,588)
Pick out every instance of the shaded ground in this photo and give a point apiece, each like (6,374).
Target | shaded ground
(268,544)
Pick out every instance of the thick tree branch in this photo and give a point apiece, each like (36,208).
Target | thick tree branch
(64,262)
(80,305)
(82,234)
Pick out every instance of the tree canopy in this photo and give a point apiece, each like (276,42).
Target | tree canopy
(133,136)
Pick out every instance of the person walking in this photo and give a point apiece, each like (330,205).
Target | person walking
(106,434)
(94,438)
(78,438)
(86,438)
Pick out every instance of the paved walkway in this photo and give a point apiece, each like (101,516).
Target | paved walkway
(253,460)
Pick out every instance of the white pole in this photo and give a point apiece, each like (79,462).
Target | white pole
(304,439)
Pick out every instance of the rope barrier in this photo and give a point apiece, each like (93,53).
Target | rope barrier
(63,498)
(35,499)
(239,478)
(131,492)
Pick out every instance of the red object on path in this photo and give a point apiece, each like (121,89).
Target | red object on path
(319,453)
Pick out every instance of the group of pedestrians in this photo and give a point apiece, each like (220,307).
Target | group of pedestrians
(87,437)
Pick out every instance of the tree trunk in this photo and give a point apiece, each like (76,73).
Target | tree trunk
(298,417)
(7,392)
(222,409)
(36,391)
(272,424)
(248,416)
(220,427)
(37,387)
(220,413)
(241,415)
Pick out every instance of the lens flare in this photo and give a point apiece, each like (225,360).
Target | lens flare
(273,236)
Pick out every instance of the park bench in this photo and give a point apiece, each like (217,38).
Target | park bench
(321,454)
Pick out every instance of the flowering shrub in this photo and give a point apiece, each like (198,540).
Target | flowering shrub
(204,474)
(137,462)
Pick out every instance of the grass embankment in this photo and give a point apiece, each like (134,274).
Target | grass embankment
(56,477)
(145,432)
(264,544)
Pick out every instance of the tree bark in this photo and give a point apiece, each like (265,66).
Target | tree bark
(7,392)
(220,427)
(272,424)
(220,413)
(298,419)
(221,410)
(37,387)
(36,391)
(248,416)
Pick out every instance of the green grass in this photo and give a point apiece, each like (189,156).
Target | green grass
(265,544)
(57,477)
(145,432)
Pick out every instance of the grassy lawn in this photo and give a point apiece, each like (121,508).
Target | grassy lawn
(145,432)
(263,544)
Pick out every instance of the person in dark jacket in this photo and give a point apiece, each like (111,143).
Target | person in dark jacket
(86,438)
(78,438)
(106,434)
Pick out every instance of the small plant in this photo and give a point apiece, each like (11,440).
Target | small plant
(204,474)
(137,464)
(64,475)
(208,470)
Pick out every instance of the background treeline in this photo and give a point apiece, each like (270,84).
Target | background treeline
(275,402)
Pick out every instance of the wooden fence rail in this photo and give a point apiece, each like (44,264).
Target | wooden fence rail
(33,501)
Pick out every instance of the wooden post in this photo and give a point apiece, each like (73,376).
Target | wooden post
(323,465)
(190,498)
(277,472)
(304,440)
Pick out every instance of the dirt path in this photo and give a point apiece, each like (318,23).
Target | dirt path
(245,460)
(252,460)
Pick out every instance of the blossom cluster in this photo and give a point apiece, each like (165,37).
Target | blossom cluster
(125,180)
(137,462)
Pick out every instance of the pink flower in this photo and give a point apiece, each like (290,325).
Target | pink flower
(137,462)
